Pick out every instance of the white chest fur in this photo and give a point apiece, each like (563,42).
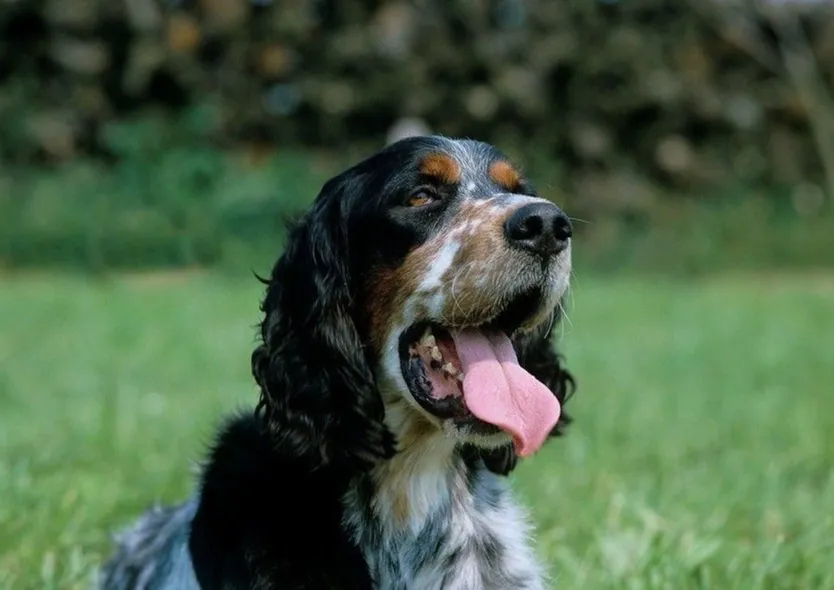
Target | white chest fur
(429,521)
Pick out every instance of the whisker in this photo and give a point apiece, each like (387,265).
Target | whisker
(574,286)
(568,322)
(550,326)
(465,268)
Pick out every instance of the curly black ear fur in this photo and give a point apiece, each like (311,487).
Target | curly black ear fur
(318,396)
(537,354)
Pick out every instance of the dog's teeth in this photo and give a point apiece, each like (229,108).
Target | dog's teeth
(429,341)
(436,354)
(450,368)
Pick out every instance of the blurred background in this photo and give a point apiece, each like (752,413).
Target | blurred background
(173,132)
(151,149)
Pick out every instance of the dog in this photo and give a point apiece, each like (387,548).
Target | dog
(404,364)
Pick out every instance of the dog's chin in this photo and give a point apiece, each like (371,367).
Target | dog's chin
(434,374)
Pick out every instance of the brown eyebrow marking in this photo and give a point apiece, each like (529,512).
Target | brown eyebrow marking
(504,175)
(442,167)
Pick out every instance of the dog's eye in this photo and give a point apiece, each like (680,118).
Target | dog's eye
(422,197)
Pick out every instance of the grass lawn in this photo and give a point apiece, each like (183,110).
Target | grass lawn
(702,454)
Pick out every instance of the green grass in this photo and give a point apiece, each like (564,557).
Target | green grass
(701,456)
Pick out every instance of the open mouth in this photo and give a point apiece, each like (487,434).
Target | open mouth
(433,371)
(471,376)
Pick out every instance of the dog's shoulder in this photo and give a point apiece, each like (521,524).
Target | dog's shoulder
(266,518)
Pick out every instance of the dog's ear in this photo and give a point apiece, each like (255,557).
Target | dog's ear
(318,394)
(537,354)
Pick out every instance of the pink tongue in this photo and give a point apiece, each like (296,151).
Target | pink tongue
(498,391)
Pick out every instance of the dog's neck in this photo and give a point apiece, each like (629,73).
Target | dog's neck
(427,472)
(431,516)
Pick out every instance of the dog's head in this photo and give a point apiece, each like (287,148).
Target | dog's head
(416,296)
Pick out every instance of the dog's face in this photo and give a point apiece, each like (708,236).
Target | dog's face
(407,301)
(454,249)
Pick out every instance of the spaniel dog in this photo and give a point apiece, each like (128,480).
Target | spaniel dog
(404,366)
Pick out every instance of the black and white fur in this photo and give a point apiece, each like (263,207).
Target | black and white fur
(306,491)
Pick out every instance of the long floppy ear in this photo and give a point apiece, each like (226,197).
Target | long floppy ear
(537,354)
(318,394)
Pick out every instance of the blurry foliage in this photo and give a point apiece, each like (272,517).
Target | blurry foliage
(152,132)
(178,204)
(168,200)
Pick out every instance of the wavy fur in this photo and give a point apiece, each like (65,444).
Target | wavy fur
(298,494)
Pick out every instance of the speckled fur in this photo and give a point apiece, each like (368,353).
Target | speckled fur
(465,531)
(339,480)
(153,553)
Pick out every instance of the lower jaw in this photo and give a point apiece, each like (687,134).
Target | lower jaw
(468,431)
(474,425)
(475,433)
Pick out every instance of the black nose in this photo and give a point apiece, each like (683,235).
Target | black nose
(541,228)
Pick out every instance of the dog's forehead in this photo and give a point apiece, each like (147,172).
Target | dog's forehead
(479,169)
